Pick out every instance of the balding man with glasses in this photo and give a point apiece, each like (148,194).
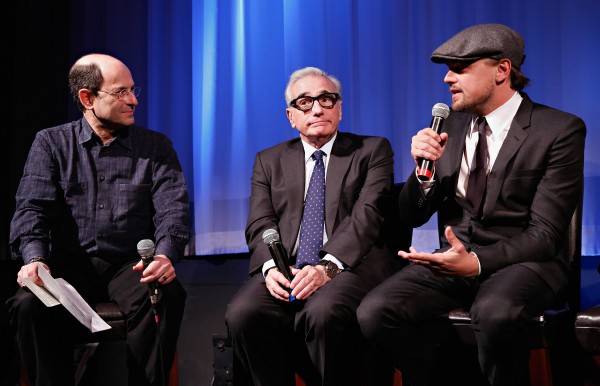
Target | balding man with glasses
(324,194)
(90,191)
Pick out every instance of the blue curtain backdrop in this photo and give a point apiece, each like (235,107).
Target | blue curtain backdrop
(217,70)
(214,72)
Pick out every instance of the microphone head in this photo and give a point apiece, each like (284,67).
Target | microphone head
(270,235)
(440,110)
(146,248)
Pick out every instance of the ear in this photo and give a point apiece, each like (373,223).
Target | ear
(503,70)
(290,116)
(86,97)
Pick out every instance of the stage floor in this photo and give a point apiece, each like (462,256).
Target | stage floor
(210,282)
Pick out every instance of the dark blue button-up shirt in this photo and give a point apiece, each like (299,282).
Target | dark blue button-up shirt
(80,197)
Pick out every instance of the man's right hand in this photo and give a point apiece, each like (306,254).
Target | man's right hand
(428,144)
(276,284)
(31,271)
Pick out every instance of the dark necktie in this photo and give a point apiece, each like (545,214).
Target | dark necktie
(311,232)
(479,166)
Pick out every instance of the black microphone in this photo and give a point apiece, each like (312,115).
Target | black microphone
(279,255)
(146,250)
(440,111)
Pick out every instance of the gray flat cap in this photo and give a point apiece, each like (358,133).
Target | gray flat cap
(482,41)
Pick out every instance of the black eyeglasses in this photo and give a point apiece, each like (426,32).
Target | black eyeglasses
(124,94)
(326,100)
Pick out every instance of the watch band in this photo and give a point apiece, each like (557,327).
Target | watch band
(36,259)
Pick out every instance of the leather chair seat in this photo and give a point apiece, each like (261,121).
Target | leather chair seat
(587,329)
(111,314)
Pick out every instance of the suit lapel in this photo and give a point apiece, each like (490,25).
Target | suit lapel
(341,158)
(454,149)
(514,140)
(292,164)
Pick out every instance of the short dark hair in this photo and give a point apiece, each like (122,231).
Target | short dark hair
(518,80)
(87,76)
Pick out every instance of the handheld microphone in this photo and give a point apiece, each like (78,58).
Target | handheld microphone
(440,111)
(146,250)
(279,255)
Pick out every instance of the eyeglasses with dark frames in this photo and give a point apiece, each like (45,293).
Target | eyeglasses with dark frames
(326,100)
(124,94)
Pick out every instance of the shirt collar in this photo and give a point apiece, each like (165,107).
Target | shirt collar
(309,150)
(500,119)
(86,133)
(122,136)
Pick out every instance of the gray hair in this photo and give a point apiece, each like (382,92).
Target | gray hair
(84,76)
(309,71)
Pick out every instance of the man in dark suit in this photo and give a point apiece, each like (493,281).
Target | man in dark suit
(501,241)
(270,334)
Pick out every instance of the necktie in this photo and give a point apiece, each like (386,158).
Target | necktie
(311,232)
(479,166)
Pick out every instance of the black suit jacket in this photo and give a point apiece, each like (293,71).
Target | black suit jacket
(357,199)
(532,191)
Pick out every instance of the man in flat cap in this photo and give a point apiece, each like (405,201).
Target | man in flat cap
(508,177)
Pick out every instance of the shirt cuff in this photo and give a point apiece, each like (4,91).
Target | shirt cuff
(478,262)
(426,185)
(33,250)
(168,250)
(334,260)
(267,266)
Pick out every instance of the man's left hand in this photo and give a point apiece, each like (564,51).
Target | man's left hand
(160,269)
(307,280)
(456,261)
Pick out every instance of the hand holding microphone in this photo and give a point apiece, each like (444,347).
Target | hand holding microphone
(145,249)
(440,111)
(279,255)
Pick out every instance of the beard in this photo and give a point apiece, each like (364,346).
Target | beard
(469,103)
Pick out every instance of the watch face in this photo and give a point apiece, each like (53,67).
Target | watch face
(331,269)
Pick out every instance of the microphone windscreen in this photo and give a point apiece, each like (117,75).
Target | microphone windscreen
(270,235)
(145,248)
(440,110)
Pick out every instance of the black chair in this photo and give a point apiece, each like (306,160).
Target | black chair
(587,332)
(111,314)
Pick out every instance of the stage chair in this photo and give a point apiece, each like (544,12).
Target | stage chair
(587,332)
(113,316)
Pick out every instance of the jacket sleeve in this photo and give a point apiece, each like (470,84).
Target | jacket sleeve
(360,228)
(262,215)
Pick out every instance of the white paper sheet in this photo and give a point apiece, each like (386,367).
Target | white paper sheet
(64,293)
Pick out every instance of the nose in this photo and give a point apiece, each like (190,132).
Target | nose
(449,77)
(132,99)
(316,107)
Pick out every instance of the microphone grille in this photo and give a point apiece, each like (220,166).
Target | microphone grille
(270,235)
(440,110)
(145,247)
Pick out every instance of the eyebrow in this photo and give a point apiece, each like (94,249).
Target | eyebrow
(121,88)
(324,91)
